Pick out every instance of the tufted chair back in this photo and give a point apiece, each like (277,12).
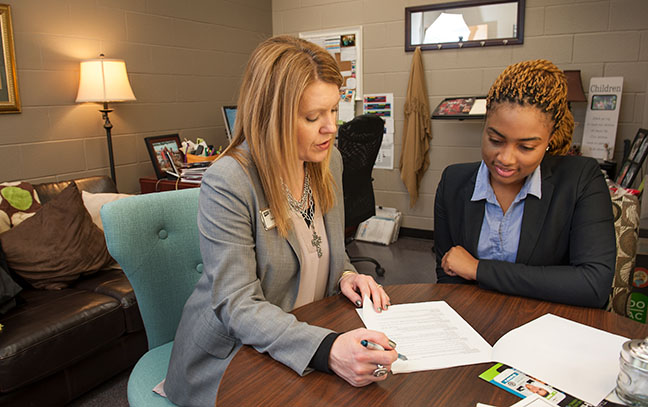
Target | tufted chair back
(154,238)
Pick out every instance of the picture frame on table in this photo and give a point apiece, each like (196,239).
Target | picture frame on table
(9,97)
(165,155)
(630,175)
(634,161)
(623,172)
(636,143)
(643,149)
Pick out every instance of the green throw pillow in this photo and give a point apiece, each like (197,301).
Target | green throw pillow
(18,201)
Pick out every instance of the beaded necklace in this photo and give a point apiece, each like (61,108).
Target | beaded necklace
(306,208)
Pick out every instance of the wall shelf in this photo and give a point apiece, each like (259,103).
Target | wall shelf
(460,108)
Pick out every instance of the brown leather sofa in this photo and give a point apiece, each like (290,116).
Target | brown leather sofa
(63,343)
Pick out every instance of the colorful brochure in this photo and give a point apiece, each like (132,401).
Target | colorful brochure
(523,386)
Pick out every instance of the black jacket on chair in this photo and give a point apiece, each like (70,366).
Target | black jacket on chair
(567,249)
(359,142)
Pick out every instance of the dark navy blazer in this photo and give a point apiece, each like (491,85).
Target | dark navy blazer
(567,249)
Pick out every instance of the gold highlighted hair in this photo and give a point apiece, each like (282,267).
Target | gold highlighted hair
(541,84)
(277,74)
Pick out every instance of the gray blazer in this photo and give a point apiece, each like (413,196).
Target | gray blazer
(249,284)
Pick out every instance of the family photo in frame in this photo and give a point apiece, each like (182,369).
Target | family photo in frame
(165,154)
(634,160)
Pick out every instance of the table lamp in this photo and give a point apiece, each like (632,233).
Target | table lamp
(574,86)
(105,80)
(574,94)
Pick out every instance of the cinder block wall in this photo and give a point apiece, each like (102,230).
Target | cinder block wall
(599,37)
(184,59)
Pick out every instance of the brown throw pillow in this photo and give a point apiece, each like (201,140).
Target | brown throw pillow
(56,245)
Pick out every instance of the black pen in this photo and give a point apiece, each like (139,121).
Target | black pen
(374,346)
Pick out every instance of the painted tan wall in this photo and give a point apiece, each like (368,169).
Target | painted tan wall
(185,60)
(599,37)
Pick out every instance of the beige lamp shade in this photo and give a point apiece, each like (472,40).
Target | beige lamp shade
(104,80)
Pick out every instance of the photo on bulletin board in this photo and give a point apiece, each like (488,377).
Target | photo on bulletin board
(165,154)
(348,40)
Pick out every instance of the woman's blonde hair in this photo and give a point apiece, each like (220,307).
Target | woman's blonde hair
(276,76)
(541,84)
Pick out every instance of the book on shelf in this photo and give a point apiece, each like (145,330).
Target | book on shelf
(184,176)
(191,172)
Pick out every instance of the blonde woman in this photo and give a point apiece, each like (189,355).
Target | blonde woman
(271,234)
(527,220)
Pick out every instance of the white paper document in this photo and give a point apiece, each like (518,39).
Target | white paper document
(577,359)
(348,54)
(431,334)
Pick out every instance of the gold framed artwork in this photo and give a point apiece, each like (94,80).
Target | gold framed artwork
(9,99)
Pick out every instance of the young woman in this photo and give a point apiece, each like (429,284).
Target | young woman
(527,220)
(271,227)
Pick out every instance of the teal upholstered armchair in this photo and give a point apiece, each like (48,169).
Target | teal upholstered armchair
(154,238)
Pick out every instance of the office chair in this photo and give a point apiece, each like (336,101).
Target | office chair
(359,142)
(154,238)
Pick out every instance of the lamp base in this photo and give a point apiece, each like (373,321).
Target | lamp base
(108,126)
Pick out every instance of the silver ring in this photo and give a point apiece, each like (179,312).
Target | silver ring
(380,371)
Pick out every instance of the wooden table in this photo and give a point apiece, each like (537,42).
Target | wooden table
(151,184)
(254,379)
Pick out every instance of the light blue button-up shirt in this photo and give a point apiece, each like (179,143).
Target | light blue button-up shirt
(500,233)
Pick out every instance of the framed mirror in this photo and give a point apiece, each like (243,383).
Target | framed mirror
(462,24)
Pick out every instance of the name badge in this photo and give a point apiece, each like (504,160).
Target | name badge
(267,219)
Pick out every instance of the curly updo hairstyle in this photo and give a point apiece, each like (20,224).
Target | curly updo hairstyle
(541,84)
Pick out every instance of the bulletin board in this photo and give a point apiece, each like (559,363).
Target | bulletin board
(345,45)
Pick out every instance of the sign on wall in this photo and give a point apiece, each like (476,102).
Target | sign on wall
(603,104)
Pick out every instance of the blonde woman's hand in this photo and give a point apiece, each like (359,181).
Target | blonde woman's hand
(355,286)
(355,363)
